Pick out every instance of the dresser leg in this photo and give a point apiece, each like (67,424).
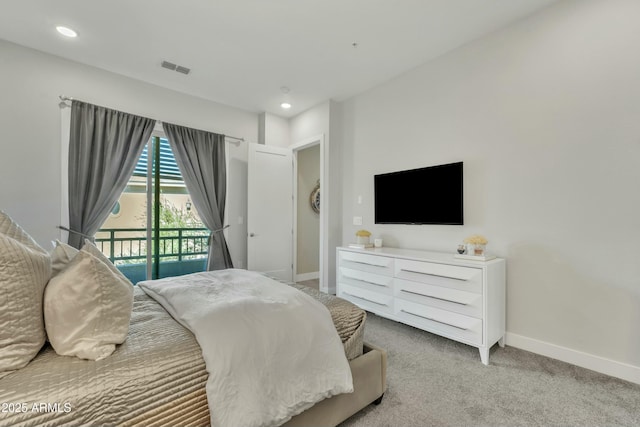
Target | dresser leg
(484,355)
(501,342)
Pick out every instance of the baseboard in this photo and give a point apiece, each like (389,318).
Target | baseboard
(307,276)
(585,360)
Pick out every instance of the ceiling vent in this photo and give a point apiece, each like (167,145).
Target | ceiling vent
(168,65)
(183,70)
(174,67)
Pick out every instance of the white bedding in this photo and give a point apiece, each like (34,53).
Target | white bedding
(271,351)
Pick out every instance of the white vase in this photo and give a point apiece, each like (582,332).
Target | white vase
(362,240)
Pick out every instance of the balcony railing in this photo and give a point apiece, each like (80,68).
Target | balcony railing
(129,245)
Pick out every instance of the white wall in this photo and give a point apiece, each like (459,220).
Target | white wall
(312,122)
(546,117)
(30,83)
(273,130)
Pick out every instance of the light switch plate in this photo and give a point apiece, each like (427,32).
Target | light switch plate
(357,220)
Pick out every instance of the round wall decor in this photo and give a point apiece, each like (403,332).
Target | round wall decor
(314,199)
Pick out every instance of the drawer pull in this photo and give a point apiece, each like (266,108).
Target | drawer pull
(365,281)
(434,275)
(366,299)
(434,320)
(367,263)
(431,296)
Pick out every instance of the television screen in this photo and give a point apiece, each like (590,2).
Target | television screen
(431,195)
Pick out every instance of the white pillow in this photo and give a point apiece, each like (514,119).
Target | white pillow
(61,255)
(87,306)
(24,271)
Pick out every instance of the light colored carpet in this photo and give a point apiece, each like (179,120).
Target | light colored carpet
(313,283)
(433,381)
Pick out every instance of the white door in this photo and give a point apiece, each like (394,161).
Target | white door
(270,211)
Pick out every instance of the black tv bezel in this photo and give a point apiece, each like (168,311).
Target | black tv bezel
(408,171)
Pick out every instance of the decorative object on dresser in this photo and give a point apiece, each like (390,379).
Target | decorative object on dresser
(474,249)
(362,240)
(482,258)
(476,245)
(458,299)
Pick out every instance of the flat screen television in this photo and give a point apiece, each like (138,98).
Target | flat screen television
(431,195)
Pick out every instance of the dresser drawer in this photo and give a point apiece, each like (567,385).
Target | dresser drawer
(442,322)
(375,302)
(364,262)
(362,279)
(446,298)
(463,278)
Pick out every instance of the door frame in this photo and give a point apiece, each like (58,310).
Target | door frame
(323,262)
(158,132)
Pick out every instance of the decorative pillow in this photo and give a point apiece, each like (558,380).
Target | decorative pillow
(87,306)
(61,256)
(25,268)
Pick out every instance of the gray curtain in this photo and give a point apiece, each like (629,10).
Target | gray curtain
(104,146)
(200,156)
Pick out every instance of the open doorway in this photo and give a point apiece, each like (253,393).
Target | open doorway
(308,216)
(310,213)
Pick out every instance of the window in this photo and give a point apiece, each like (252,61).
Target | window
(157,232)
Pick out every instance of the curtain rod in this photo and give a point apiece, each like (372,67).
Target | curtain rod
(63,104)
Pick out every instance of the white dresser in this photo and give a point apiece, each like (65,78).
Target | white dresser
(463,300)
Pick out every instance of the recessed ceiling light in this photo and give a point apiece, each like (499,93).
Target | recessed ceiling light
(285,105)
(66,31)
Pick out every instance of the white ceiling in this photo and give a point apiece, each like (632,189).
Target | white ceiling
(241,52)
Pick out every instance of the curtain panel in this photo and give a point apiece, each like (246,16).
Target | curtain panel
(104,146)
(200,157)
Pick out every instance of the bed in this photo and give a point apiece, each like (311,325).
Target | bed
(157,377)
